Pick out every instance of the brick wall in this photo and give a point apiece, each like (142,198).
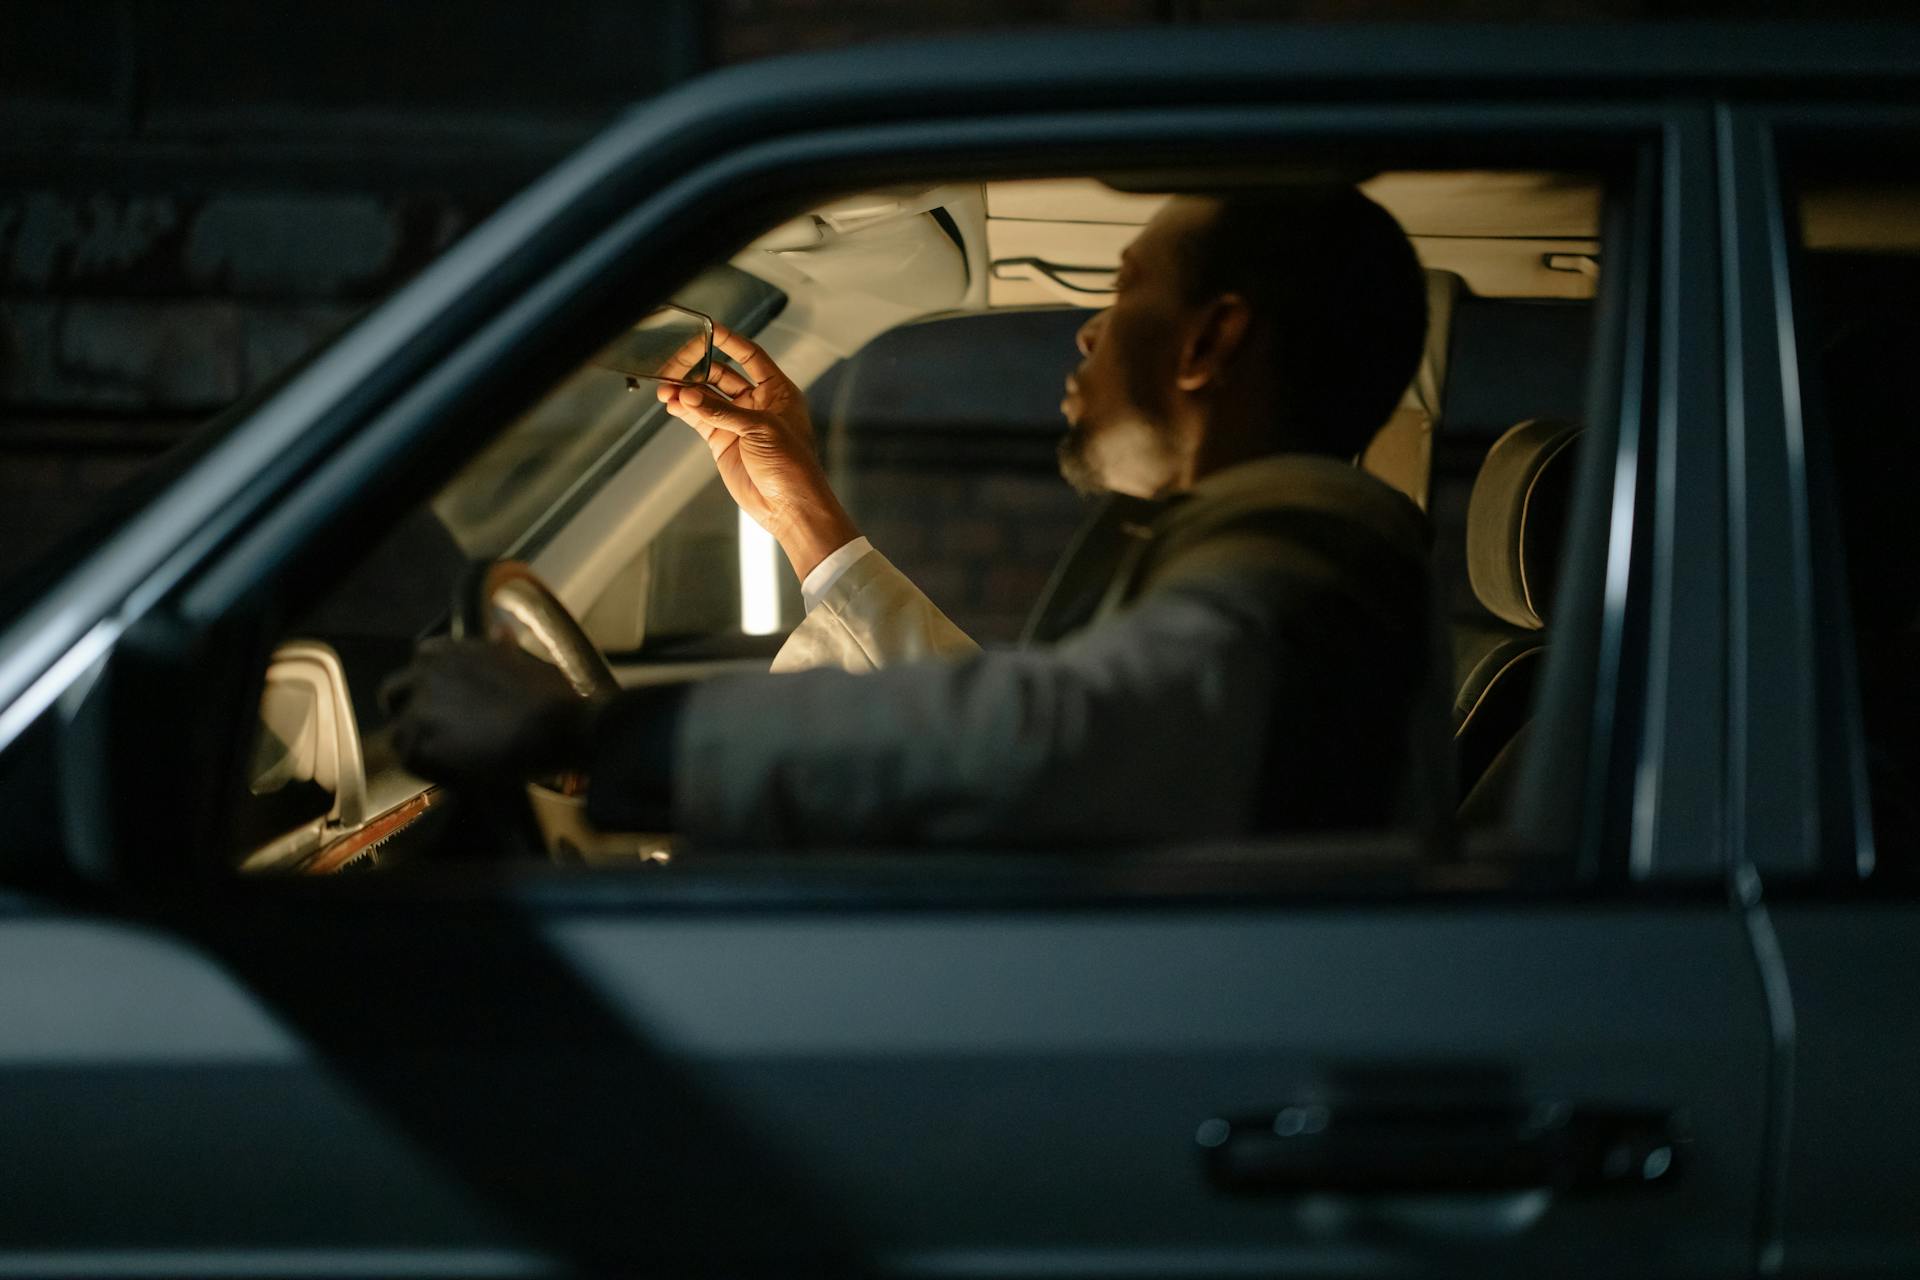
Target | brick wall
(193,194)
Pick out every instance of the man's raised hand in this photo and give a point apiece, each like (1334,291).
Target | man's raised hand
(761,437)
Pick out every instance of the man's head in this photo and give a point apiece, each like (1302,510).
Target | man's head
(1245,325)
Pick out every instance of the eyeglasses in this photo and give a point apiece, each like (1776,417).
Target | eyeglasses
(670,344)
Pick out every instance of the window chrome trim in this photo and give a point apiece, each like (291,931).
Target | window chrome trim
(1772,795)
(1679,826)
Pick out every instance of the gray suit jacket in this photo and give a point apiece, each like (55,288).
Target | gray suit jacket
(1258,663)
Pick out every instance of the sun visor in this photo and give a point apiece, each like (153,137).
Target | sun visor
(885,245)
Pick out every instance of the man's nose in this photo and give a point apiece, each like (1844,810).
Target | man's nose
(1090,332)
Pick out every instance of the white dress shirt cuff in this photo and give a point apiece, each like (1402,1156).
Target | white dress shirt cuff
(828,571)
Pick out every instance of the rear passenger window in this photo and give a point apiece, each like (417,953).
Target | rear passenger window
(1857,304)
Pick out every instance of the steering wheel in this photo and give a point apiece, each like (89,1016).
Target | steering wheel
(505,603)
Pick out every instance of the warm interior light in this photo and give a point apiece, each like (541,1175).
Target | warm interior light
(759,579)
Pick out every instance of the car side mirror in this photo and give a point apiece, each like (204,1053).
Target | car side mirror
(308,741)
(670,344)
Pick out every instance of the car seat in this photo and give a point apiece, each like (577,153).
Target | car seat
(1516,523)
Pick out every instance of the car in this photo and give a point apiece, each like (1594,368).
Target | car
(1629,1011)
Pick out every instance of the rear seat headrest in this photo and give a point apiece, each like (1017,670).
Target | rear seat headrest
(1517,519)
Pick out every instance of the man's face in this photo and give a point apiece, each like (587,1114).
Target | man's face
(1119,402)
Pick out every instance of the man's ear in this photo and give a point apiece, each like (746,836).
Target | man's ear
(1213,342)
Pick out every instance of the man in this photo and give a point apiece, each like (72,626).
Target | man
(1248,653)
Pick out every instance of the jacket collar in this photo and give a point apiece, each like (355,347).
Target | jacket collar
(1296,481)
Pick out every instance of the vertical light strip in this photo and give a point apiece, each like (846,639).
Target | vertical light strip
(759,579)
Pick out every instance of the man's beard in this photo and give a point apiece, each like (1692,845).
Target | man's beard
(1075,467)
(1149,449)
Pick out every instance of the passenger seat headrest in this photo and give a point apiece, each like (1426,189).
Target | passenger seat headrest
(1517,520)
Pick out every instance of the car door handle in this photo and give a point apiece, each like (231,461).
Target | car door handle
(1359,1149)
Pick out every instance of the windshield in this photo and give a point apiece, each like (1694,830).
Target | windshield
(519,490)
(516,494)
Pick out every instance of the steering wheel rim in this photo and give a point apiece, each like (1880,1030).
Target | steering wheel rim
(506,602)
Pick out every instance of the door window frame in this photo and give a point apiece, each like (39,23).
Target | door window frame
(1800,789)
(1657,623)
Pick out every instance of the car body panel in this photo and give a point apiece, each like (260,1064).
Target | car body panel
(1003,1092)
(1852,1166)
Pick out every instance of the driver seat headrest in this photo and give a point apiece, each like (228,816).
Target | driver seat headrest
(1517,520)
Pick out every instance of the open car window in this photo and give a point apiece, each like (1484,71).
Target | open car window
(934,394)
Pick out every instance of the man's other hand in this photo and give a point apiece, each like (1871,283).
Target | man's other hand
(761,437)
(470,711)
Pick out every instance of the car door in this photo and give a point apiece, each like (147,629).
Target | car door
(1317,1057)
(1825,220)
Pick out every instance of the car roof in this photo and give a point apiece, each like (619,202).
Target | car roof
(1271,61)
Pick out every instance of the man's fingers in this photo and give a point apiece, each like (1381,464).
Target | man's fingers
(720,445)
(717,441)
(685,357)
(745,353)
(703,408)
(723,384)
(730,383)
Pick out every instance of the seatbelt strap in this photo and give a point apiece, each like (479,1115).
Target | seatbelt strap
(1092,577)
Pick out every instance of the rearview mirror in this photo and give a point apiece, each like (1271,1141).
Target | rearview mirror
(670,344)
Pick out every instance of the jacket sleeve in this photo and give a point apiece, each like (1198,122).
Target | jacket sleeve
(1148,726)
(872,617)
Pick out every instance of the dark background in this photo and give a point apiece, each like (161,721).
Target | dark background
(193,193)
